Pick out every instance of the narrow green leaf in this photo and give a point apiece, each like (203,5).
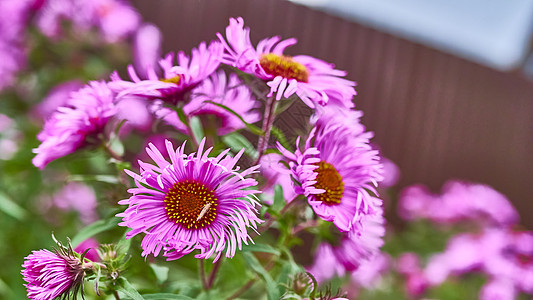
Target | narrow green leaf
(127,288)
(165,296)
(252,128)
(93,229)
(278,134)
(236,142)
(11,208)
(271,285)
(196,128)
(258,247)
(279,199)
(100,178)
(160,272)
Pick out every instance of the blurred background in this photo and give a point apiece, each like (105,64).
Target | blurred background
(445,84)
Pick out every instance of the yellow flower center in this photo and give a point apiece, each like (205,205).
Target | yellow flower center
(191,204)
(175,79)
(284,66)
(329,180)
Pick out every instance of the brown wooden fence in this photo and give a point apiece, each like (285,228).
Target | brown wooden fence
(437,116)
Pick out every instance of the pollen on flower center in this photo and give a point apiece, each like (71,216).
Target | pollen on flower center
(330,180)
(285,66)
(176,79)
(191,204)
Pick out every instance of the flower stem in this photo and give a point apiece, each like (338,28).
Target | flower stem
(115,293)
(202,274)
(213,274)
(268,121)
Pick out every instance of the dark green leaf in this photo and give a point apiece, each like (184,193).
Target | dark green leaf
(127,288)
(278,134)
(236,141)
(252,128)
(271,285)
(100,178)
(93,229)
(258,247)
(279,200)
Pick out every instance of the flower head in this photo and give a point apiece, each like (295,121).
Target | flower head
(85,116)
(218,88)
(52,274)
(337,172)
(314,81)
(193,202)
(177,80)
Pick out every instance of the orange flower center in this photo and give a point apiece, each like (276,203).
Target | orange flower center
(175,79)
(284,66)
(191,204)
(329,180)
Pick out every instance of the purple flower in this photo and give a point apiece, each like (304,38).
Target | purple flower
(69,128)
(458,201)
(354,248)
(313,80)
(57,97)
(193,202)
(231,93)
(115,19)
(408,265)
(78,197)
(91,244)
(337,171)
(146,48)
(498,290)
(51,274)
(176,81)
(370,272)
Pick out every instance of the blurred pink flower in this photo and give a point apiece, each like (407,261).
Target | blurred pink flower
(458,201)
(57,97)
(146,49)
(408,264)
(498,290)
(78,197)
(274,175)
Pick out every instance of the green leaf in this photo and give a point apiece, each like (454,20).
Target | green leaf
(276,132)
(160,272)
(279,200)
(196,128)
(271,285)
(236,141)
(252,128)
(93,229)
(99,178)
(11,208)
(258,247)
(165,296)
(127,288)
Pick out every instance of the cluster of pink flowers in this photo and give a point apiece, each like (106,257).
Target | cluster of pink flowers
(185,203)
(502,253)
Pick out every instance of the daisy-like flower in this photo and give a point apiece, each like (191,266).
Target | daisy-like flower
(360,245)
(73,126)
(177,80)
(218,88)
(193,202)
(52,274)
(337,172)
(314,81)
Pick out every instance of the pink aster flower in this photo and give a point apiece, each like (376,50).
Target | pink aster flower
(416,282)
(314,81)
(354,248)
(230,92)
(70,128)
(57,97)
(193,202)
(146,48)
(52,274)
(177,80)
(498,290)
(92,245)
(337,171)
(274,174)
(458,201)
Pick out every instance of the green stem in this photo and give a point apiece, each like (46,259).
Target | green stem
(202,274)
(268,121)
(213,274)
